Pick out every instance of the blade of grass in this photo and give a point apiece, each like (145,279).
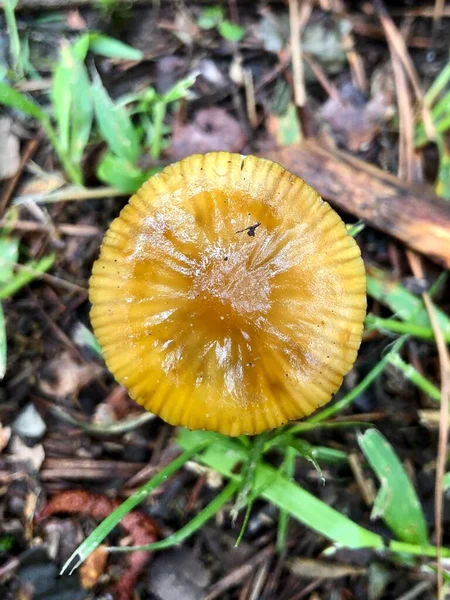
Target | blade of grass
(61,95)
(3,343)
(403,303)
(82,110)
(403,327)
(24,277)
(9,97)
(190,528)
(106,526)
(288,467)
(438,85)
(121,174)
(413,375)
(224,454)
(13,32)
(397,501)
(9,255)
(115,125)
(112,48)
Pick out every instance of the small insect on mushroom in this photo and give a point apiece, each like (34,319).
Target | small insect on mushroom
(228,295)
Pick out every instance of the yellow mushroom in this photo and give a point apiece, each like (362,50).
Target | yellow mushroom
(228,295)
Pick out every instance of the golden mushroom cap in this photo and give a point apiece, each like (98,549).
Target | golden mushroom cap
(228,295)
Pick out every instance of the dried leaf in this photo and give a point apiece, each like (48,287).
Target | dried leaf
(321,569)
(141,529)
(93,567)
(65,377)
(211,130)
(353,122)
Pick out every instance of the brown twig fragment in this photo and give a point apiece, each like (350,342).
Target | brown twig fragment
(298,15)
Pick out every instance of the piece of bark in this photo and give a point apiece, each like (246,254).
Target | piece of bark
(412,213)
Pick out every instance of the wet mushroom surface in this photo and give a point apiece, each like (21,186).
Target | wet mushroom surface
(228,295)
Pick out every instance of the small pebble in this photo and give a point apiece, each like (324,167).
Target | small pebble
(29,423)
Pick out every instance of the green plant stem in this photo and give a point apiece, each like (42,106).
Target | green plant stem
(283,520)
(402,327)
(437,86)
(190,528)
(300,504)
(406,548)
(413,375)
(74,172)
(106,526)
(28,272)
(14,40)
(159,114)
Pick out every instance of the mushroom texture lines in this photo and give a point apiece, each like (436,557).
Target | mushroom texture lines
(228,296)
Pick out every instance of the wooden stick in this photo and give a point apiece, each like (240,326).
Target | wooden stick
(412,213)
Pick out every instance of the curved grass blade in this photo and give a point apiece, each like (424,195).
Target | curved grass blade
(106,526)
(115,125)
(223,456)
(190,528)
(397,502)
(3,344)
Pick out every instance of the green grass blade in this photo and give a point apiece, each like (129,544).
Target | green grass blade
(180,89)
(82,111)
(112,48)
(401,327)
(443,178)
(231,31)
(61,94)
(115,125)
(190,528)
(3,343)
(412,374)
(9,255)
(106,526)
(13,32)
(225,454)
(121,174)
(9,97)
(438,85)
(397,502)
(288,468)
(81,47)
(403,303)
(31,270)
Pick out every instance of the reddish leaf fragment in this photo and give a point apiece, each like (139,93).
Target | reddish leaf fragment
(141,529)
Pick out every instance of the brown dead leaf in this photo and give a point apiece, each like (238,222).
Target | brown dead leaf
(75,21)
(39,185)
(321,569)
(63,376)
(93,568)
(142,530)
(211,130)
(353,121)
